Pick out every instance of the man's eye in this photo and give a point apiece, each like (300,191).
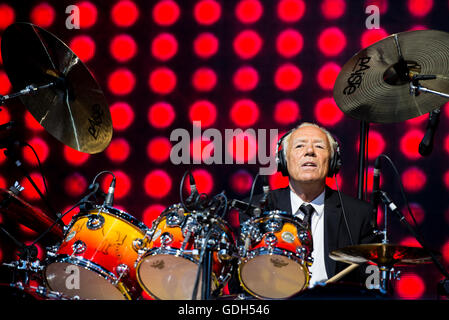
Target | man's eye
(320,146)
(299,146)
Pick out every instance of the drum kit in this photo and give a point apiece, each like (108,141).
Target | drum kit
(190,250)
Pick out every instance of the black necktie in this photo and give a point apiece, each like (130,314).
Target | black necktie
(308,210)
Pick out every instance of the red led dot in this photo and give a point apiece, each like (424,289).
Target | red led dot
(205,45)
(277,181)
(162,80)
(121,82)
(5,85)
(1,58)
(161,115)
(88,14)
(42,15)
(372,36)
(241,182)
(207,12)
(418,27)
(122,184)
(418,120)
(75,184)
(248,11)
(157,183)
(291,10)
(151,213)
(164,46)
(446,181)
(411,286)
(31,123)
(122,115)
(67,218)
(376,144)
(4,115)
(243,147)
(419,8)
(124,13)
(289,43)
(123,47)
(410,242)
(7,16)
(333,9)
(203,180)
(331,41)
(3,185)
(327,75)
(286,112)
(327,112)
(381,4)
(118,150)
(413,179)
(166,13)
(204,79)
(332,182)
(409,144)
(445,251)
(158,149)
(244,113)
(288,77)
(40,147)
(75,157)
(29,193)
(247,44)
(417,211)
(246,78)
(203,111)
(83,47)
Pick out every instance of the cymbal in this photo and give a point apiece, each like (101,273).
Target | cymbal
(17,209)
(372,85)
(74,110)
(381,254)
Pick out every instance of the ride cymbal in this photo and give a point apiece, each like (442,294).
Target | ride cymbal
(374,84)
(74,109)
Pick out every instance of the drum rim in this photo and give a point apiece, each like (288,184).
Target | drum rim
(120,214)
(271,252)
(88,265)
(277,214)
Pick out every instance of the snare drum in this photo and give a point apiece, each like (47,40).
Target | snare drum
(275,255)
(97,256)
(168,270)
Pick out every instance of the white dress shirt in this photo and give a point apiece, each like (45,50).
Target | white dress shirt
(318,268)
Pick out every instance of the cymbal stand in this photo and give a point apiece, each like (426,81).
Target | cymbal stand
(416,88)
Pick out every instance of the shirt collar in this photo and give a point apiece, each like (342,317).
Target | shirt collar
(317,203)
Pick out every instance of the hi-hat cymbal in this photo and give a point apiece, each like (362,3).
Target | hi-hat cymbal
(371,86)
(381,254)
(74,110)
(19,210)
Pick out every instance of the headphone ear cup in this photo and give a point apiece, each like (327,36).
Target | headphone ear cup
(335,163)
(282,164)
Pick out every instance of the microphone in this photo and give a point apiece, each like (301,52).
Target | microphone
(193,197)
(110,195)
(376,192)
(426,145)
(264,201)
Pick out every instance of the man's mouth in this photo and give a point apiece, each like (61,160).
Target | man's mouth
(309,164)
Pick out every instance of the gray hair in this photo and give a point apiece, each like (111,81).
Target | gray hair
(332,142)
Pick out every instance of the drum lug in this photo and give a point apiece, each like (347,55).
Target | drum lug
(166,239)
(273,225)
(173,220)
(52,251)
(95,222)
(271,239)
(79,247)
(139,245)
(122,271)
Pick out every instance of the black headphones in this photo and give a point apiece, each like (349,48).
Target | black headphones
(334,162)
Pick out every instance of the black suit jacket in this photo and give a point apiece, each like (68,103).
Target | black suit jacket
(358,215)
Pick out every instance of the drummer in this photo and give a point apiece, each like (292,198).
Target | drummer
(308,154)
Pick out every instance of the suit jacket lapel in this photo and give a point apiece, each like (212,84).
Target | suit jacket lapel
(282,200)
(332,216)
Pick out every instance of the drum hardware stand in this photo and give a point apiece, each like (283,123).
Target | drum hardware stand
(363,152)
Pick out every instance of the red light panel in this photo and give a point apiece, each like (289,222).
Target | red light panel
(417,211)
(166,13)
(204,79)
(88,14)
(331,41)
(287,112)
(203,180)
(288,77)
(414,179)
(246,78)
(409,143)
(122,115)
(123,47)
(327,112)
(5,85)
(241,182)
(118,150)
(277,180)
(30,122)
(291,10)
(162,80)
(372,36)
(327,75)
(164,46)
(7,16)
(75,184)
(411,286)
(122,187)
(205,45)
(157,183)
(29,193)
(158,149)
(289,43)
(75,157)
(244,113)
(201,149)
(419,8)
(41,148)
(121,82)
(333,9)
(83,46)
(151,213)
(445,251)
(247,44)
(243,148)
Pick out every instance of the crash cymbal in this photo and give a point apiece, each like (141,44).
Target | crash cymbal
(381,254)
(19,210)
(374,87)
(74,110)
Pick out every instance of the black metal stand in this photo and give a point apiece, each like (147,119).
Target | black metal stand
(364,128)
(207,274)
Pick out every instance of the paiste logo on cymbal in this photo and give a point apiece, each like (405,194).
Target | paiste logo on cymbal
(356,77)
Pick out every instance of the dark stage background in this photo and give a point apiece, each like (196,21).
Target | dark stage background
(229,64)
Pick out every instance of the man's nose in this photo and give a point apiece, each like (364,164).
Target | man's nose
(310,150)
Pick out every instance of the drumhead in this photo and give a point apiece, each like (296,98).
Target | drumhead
(273,276)
(75,277)
(168,277)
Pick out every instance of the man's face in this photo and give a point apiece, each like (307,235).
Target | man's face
(308,155)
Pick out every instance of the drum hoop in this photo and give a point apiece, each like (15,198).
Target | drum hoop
(273,252)
(120,214)
(290,218)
